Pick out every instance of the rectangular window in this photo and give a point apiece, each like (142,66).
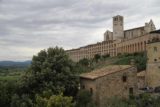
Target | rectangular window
(91,90)
(155,49)
(131,91)
(124,78)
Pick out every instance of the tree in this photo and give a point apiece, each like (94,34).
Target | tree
(60,101)
(84,99)
(21,101)
(97,57)
(51,70)
(84,62)
(7,89)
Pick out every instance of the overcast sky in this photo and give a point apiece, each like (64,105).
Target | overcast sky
(28,26)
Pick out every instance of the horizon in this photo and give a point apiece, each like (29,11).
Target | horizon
(29,26)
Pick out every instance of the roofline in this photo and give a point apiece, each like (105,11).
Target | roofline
(106,74)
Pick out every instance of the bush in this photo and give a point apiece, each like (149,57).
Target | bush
(84,99)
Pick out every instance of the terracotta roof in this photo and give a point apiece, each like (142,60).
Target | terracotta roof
(104,71)
(141,73)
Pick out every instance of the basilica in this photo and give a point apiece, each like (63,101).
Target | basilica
(118,41)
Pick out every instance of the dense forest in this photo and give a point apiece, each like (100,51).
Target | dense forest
(52,80)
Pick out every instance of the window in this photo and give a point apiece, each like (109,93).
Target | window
(131,91)
(155,60)
(155,49)
(115,19)
(124,78)
(83,87)
(91,90)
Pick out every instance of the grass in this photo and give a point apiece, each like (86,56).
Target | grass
(11,74)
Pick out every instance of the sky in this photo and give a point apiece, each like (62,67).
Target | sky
(28,26)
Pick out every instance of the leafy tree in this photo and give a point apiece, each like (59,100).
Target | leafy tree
(140,60)
(105,56)
(60,101)
(97,57)
(84,62)
(51,70)
(84,98)
(47,99)
(7,89)
(21,101)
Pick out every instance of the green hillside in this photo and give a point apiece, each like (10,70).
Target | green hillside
(86,65)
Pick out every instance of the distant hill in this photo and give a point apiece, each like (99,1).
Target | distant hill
(14,64)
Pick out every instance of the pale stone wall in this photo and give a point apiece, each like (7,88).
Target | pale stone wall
(153,64)
(113,48)
(141,82)
(108,35)
(133,33)
(149,27)
(112,85)
(102,48)
(118,28)
(118,41)
(141,76)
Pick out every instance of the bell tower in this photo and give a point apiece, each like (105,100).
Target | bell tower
(118,27)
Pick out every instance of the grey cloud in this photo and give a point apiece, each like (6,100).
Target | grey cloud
(26,26)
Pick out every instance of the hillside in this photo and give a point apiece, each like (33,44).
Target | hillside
(140,60)
(14,64)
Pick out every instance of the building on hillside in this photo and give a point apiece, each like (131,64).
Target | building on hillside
(153,63)
(141,82)
(110,81)
(119,41)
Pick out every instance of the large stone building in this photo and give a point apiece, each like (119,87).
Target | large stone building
(117,42)
(124,80)
(110,81)
(153,64)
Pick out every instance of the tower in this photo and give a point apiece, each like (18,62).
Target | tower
(149,26)
(118,28)
(153,64)
(108,35)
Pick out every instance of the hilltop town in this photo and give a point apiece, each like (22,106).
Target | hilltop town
(121,80)
(119,41)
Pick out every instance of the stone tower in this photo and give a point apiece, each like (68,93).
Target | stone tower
(149,26)
(118,28)
(108,35)
(153,64)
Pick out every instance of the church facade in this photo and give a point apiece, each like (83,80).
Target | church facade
(119,41)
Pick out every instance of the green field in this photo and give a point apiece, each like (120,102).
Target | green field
(11,74)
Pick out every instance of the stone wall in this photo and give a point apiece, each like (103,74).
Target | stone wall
(112,85)
(153,64)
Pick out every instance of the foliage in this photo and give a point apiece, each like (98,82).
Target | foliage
(84,62)
(105,56)
(48,100)
(117,102)
(7,89)
(11,73)
(143,100)
(50,69)
(84,99)
(21,101)
(60,101)
(97,57)
(140,60)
